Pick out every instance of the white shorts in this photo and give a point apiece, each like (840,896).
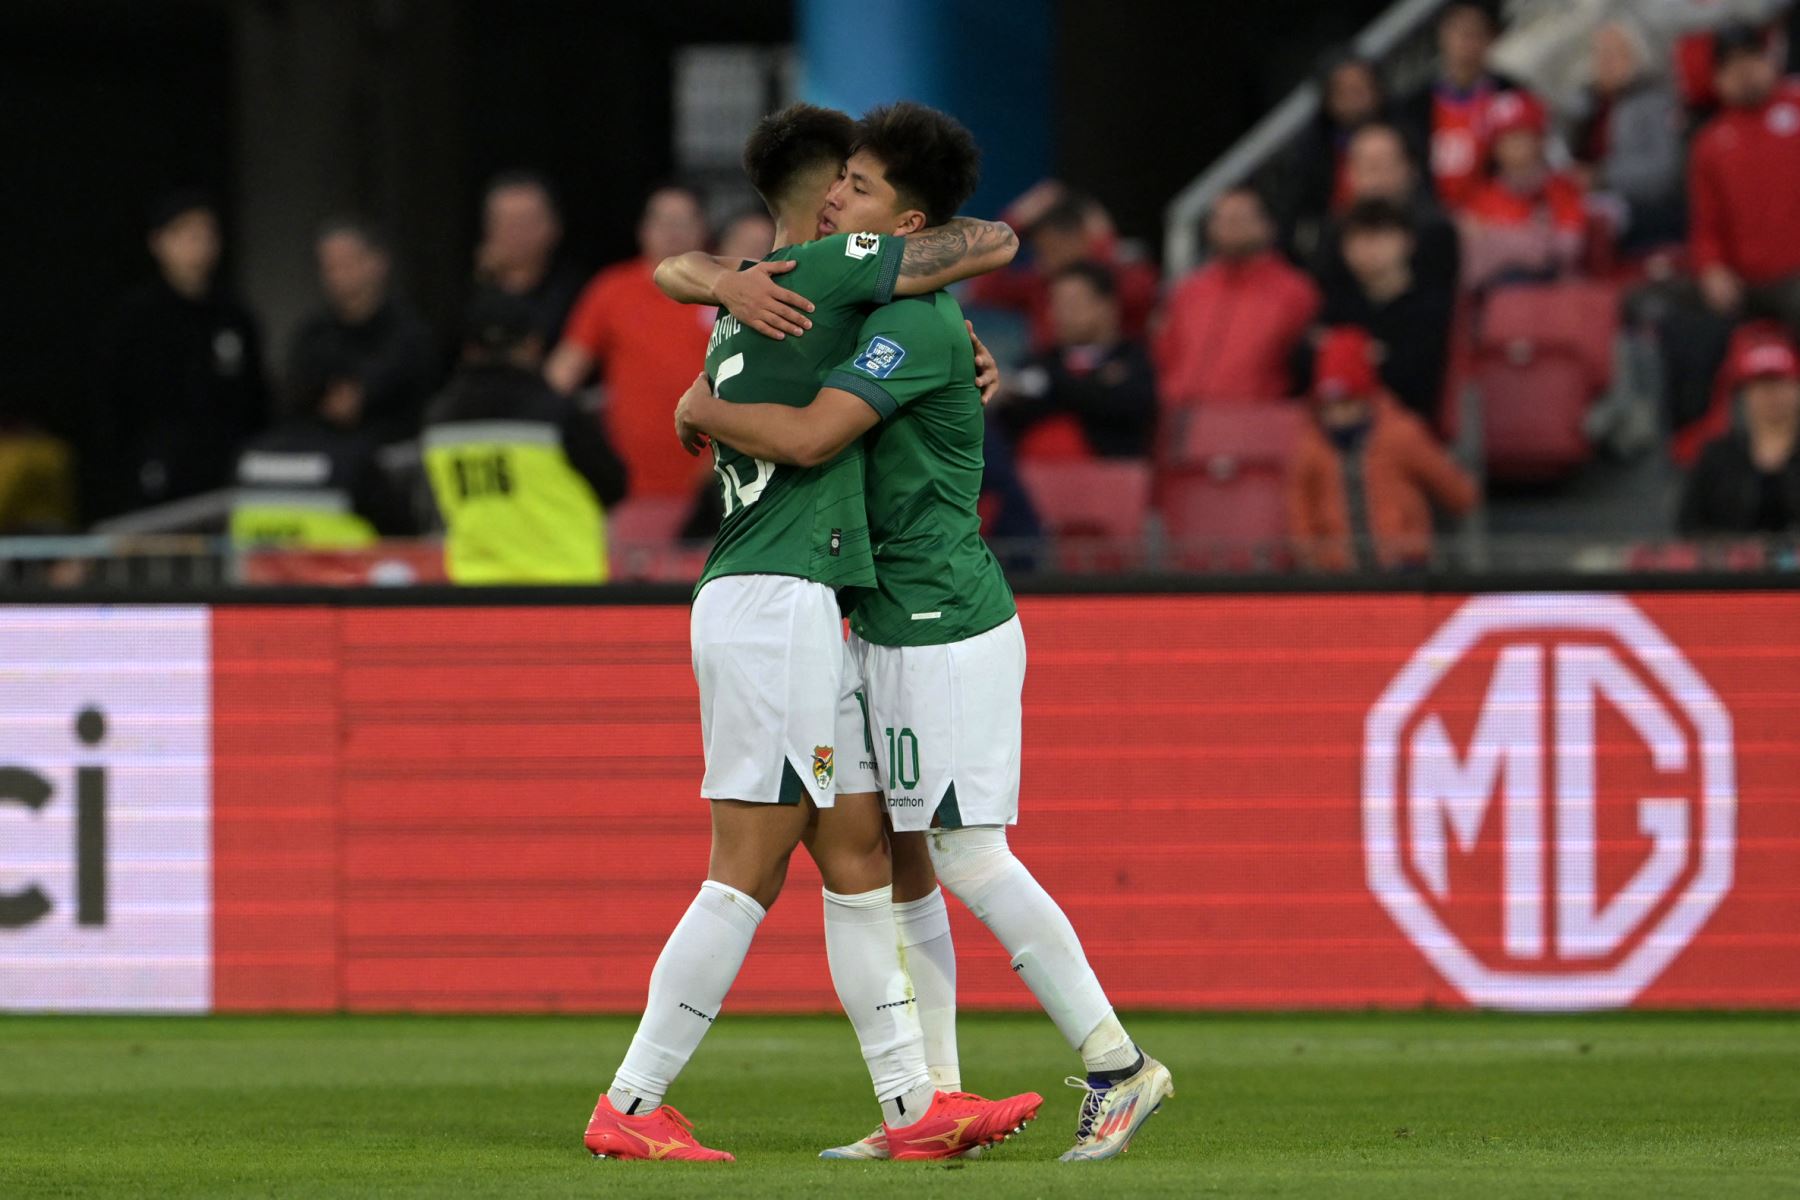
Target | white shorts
(774,672)
(947,722)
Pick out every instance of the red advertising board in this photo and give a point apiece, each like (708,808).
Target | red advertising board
(1527,801)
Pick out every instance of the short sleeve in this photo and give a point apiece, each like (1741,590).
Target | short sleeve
(588,323)
(901,357)
(853,269)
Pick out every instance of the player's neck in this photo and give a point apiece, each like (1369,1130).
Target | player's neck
(792,228)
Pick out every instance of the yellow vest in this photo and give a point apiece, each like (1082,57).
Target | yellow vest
(514,510)
(285,499)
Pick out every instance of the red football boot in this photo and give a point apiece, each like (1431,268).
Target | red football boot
(957,1121)
(660,1134)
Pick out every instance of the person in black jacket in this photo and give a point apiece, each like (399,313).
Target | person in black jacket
(1094,375)
(365,356)
(1748,482)
(1379,293)
(1351,95)
(178,381)
(1378,165)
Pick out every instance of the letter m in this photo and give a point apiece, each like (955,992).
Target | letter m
(1450,794)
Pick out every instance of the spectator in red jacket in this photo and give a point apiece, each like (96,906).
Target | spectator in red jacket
(644,346)
(1363,481)
(1232,323)
(1061,228)
(1744,234)
(1449,114)
(1744,184)
(1527,222)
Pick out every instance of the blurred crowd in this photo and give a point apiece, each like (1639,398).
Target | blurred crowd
(1587,217)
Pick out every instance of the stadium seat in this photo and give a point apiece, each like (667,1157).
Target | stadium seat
(1534,401)
(1222,488)
(1096,510)
(1542,356)
(1576,314)
(641,533)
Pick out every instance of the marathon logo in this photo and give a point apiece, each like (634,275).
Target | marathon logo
(906,802)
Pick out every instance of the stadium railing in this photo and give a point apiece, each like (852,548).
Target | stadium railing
(1395,38)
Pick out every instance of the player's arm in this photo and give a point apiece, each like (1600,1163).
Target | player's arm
(747,292)
(781,433)
(959,249)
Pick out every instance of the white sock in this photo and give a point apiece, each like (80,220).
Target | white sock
(1109,1049)
(929,956)
(877,996)
(687,988)
(979,869)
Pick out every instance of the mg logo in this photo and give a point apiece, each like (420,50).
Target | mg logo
(1549,801)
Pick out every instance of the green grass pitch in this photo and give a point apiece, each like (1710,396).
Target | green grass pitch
(1438,1105)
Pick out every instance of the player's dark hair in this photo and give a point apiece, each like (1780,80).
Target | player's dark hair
(929,158)
(1094,275)
(786,144)
(518,177)
(1376,215)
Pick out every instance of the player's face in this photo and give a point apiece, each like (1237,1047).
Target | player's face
(863,201)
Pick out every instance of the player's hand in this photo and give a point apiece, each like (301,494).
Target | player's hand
(987,370)
(754,298)
(692,440)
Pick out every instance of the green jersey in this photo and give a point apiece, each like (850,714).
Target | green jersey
(785,520)
(936,581)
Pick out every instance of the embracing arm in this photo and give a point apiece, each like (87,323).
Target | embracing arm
(959,249)
(804,437)
(752,295)
(691,277)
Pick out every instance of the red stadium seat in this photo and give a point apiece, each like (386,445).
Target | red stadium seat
(1222,491)
(1534,402)
(641,533)
(1576,314)
(1542,356)
(1096,509)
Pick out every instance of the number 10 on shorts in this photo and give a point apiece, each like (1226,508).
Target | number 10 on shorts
(899,744)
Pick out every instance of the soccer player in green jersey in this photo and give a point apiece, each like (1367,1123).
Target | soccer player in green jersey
(776,680)
(938,638)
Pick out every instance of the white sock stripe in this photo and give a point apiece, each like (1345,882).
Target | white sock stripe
(881,897)
(744,900)
(919,921)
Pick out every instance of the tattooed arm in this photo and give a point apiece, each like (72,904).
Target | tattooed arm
(959,249)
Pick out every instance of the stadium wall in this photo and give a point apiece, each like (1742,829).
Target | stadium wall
(1550,800)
